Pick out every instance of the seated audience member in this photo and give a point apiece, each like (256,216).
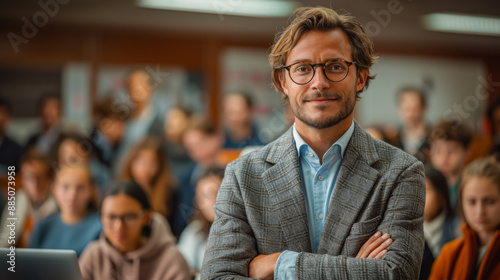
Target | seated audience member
(476,255)
(10,151)
(76,224)
(203,144)
(34,201)
(440,222)
(414,132)
(147,165)
(49,108)
(377,132)
(136,242)
(449,143)
(193,239)
(239,129)
(176,121)
(109,130)
(494,119)
(144,119)
(73,149)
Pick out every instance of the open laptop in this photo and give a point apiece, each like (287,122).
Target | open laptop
(39,264)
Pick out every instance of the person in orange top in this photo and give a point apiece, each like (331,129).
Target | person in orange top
(476,255)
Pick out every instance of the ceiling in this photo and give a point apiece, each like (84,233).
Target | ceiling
(403,29)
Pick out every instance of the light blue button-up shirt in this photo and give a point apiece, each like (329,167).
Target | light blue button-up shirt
(318,182)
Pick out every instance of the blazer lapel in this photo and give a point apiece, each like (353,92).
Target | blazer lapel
(284,184)
(354,183)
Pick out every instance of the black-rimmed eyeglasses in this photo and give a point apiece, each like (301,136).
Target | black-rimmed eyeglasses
(302,72)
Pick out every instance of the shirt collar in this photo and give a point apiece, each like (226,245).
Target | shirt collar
(341,142)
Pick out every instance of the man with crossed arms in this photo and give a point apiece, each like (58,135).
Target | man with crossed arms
(313,203)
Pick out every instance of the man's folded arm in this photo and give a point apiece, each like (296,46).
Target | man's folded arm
(403,220)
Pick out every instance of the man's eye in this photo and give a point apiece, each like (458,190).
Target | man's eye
(302,68)
(335,67)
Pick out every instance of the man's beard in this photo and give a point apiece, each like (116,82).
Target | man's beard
(347,107)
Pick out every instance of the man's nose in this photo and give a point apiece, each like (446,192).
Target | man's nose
(319,81)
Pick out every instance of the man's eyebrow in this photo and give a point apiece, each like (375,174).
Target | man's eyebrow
(310,61)
(300,60)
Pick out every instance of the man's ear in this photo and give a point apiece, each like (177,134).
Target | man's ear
(283,84)
(362,77)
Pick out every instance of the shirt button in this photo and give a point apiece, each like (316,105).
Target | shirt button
(320,216)
(320,178)
(311,154)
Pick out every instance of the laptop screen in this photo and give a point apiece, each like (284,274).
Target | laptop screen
(39,264)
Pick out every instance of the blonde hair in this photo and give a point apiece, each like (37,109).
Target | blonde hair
(488,168)
(323,19)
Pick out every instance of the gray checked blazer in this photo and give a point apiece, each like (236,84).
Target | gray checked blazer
(261,209)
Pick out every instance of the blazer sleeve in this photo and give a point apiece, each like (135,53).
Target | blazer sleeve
(231,244)
(403,220)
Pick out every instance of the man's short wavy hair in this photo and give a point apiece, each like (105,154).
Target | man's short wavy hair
(322,19)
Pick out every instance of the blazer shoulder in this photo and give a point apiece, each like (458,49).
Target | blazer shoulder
(379,154)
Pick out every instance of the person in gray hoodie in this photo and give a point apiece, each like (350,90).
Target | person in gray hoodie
(136,243)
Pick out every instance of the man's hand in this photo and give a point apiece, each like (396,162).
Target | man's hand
(375,247)
(262,266)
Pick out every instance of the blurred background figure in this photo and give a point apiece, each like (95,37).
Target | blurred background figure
(50,114)
(74,149)
(476,254)
(136,242)
(177,120)
(440,222)
(414,131)
(376,131)
(194,237)
(143,120)
(76,223)
(449,150)
(10,151)
(108,132)
(34,201)
(239,128)
(203,144)
(493,115)
(147,165)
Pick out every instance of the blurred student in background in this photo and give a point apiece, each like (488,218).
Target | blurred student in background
(143,120)
(10,150)
(239,128)
(147,165)
(493,115)
(72,148)
(476,255)
(377,131)
(449,149)
(34,201)
(203,144)
(176,121)
(77,223)
(50,111)
(136,242)
(440,222)
(193,239)
(414,131)
(109,130)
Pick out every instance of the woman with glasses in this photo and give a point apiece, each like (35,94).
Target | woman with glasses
(136,243)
